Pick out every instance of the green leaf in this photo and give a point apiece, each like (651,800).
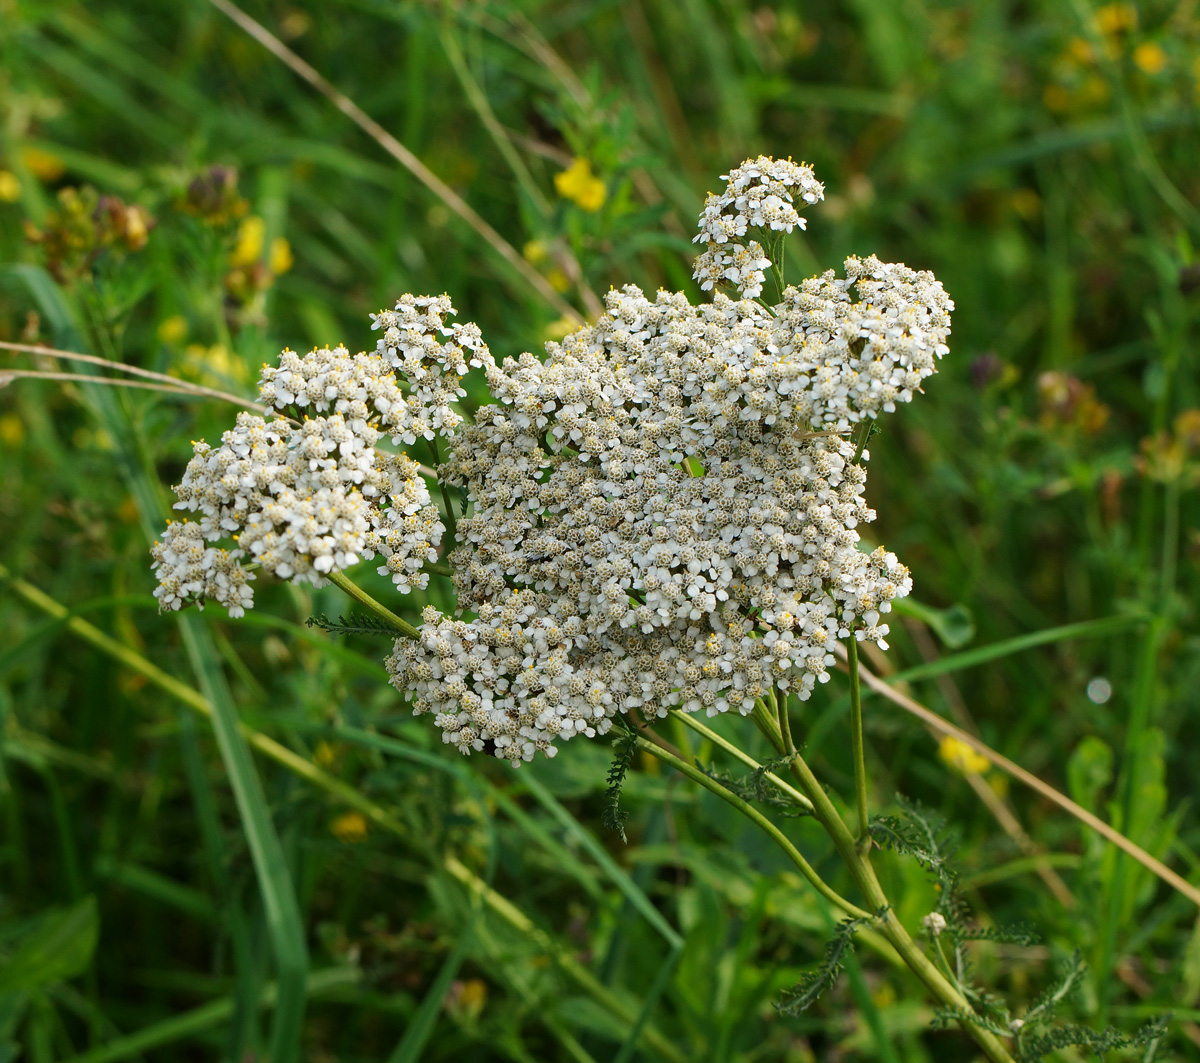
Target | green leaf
(1089,771)
(954,625)
(60,947)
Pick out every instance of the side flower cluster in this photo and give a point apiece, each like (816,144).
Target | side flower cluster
(311,492)
(759,194)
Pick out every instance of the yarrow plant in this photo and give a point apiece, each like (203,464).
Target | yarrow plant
(661,516)
(663,512)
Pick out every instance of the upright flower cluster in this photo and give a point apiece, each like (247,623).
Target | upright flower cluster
(759,194)
(663,512)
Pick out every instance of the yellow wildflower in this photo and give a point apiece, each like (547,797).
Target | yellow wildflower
(281,255)
(559,328)
(1112,19)
(173,329)
(12,430)
(44,165)
(578,184)
(128,510)
(249,244)
(559,281)
(1150,58)
(10,187)
(324,754)
(535,252)
(956,754)
(465,999)
(349,827)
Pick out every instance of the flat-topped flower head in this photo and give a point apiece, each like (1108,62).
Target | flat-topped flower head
(663,511)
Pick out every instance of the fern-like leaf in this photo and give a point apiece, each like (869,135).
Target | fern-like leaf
(613,816)
(355,624)
(947,1016)
(804,993)
(1037,1046)
(1014,934)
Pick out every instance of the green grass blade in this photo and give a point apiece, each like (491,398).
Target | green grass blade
(981,655)
(286,927)
(619,878)
(420,1028)
(206,1017)
(284,922)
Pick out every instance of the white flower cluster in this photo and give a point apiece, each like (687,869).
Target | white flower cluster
(433,370)
(189,568)
(665,511)
(759,194)
(304,498)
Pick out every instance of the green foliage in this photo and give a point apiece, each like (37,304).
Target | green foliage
(612,815)
(804,994)
(1044,497)
(355,624)
(757,788)
(1035,1034)
(56,948)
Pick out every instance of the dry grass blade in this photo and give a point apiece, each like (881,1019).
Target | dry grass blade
(169,383)
(944,727)
(7,376)
(401,154)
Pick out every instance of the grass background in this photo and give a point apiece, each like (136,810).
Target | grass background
(170,889)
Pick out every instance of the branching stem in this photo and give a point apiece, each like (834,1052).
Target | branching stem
(753,814)
(403,627)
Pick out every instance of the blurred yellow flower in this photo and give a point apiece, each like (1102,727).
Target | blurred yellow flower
(1150,58)
(249,244)
(956,754)
(12,430)
(128,510)
(465,999)
(1116,18)
(281,255)
(559,328)
(10,187)
(324,754)
(214,366)
(1080,51)
(535,251)
(44,165)
(349,827)
(559,281)
(1056,98)
(578,184)
(173,329)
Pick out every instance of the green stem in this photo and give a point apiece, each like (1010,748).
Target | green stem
(451,521)
(753,814)
(942,988)
(382,611)
(856,743)
(785,787)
